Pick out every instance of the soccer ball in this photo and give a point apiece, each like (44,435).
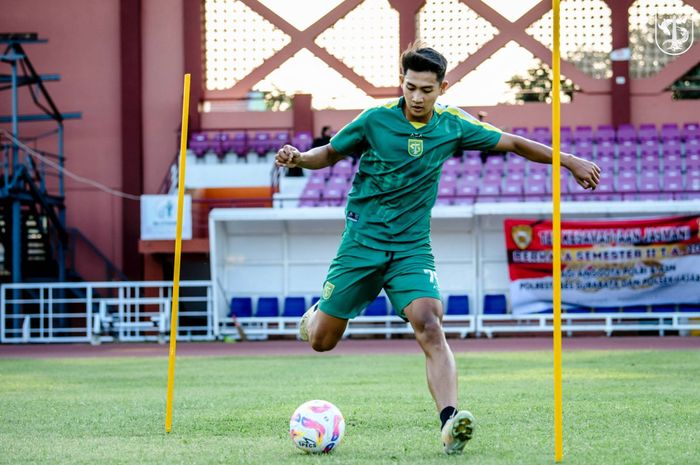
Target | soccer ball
(317,426)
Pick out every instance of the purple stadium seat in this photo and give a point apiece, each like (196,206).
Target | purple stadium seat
(649,146)
(670,132)
(605,133)
(489,192)
(199,143)
(343,168)
(672,182)
(691,131)
(316,180)
(606,164)
(337,181)
(494,164)
(584,149)
(627,162)
(302,140)
(452,167)
(692,161)
(515,163)
(310,197)
(606,148)
(512,192)
(465,194)
(583,134)
(472,165)
(515,177)
(647,132)
(226,143)
(627,148)
(566,135)
(672,162)
(447,190)
(650,162)
(333,196)
(281,138)
(692,147)
(671,147)
(626,133)
(469,178)
(542,135)
(520,132)
(262,143)
(537,169)
(535,191)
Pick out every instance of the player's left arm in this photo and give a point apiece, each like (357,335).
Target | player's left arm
(586,173)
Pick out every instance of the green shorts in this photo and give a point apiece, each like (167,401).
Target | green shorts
(358,273)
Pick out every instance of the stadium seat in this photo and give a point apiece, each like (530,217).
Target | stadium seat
(378,307)
(333,196)
(268,307)
(606,310)
(310,197)
(664,308)
(489,191)
(241,307)
(605,133)
(670,132)
(583,134)
(542,135)
(199,143)
(302,140)
(294,306)
(495,304)
(647,132)
(626,133)
(457,305)
(691,131)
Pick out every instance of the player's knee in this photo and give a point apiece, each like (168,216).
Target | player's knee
(322,344)
(431,332)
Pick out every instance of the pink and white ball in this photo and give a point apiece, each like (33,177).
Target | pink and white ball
(317,426)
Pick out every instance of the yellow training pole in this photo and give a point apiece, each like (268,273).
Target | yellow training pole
(178,250)
(556,235)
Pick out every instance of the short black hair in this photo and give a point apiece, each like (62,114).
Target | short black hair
(420,57)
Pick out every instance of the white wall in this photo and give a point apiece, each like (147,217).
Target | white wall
(286,252)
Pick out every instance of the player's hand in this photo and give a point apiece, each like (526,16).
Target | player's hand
(288,157)
(586,173)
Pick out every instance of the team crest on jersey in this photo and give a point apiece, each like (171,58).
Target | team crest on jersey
(522,236)
(415,147)
(328,290)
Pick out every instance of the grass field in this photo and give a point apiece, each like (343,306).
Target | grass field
(619,408)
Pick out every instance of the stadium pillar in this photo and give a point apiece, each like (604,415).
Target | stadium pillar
(302,115)
(408,9)
(620,92)
(192,24)
(131,133)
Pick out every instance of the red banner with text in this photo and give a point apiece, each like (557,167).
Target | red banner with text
(605,263)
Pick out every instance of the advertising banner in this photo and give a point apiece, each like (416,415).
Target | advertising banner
(605,263)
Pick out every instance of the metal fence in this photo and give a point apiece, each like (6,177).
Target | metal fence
(98,312)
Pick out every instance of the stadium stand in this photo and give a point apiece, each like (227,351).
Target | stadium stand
(637,163)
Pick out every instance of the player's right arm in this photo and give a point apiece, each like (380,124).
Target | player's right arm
(314,159)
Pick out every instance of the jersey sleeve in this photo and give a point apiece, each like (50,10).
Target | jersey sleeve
(352,138)
(477,135)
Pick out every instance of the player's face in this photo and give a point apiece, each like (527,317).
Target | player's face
(421,89)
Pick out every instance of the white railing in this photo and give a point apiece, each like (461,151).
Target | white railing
(140,311)
(258,328)
(97,312)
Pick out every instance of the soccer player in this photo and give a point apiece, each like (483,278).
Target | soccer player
(386,242)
